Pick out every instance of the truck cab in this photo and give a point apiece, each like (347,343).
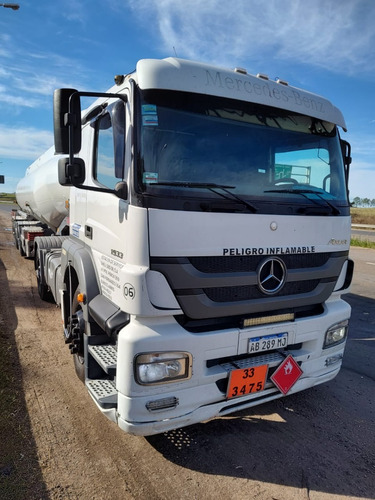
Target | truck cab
(208,242)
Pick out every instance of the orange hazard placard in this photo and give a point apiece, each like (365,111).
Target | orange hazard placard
(287,374)
(247,381)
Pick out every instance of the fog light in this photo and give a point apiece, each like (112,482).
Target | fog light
(162,367)
(334,359)
(336,334)
(163,404)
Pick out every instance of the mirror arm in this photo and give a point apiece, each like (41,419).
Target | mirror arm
(71,169)
(120,193)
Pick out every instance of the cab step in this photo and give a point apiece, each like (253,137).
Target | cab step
(104,392)
(106,356)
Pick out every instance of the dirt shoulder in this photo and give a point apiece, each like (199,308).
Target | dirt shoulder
(317,445)
(20,473)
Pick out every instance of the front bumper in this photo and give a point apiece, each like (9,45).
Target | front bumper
(203,396)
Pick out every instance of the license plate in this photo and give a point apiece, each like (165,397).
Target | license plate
(247,381)
(268,342)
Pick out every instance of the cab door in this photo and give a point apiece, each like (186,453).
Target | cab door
(105,227)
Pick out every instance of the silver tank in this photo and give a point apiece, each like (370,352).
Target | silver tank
(40,194)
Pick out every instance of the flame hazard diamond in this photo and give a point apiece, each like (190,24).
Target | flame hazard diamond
(287,374)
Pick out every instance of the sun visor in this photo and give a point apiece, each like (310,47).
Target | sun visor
(189,76)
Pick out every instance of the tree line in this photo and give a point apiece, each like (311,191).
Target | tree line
(363,202)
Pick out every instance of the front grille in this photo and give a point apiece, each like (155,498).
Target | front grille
(235,293)
(213,287)
(248,263)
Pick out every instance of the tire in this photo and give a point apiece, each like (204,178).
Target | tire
(22,252)
(43,290)
(79,357)
(79,367)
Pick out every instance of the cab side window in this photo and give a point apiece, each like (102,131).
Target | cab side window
(110,146)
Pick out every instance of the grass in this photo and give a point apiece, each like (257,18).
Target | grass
(363,215)
(357,242)
(7,198)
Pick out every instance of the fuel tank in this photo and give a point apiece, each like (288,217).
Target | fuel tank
(40,194)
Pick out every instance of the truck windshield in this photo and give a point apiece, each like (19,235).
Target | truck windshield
(218,154)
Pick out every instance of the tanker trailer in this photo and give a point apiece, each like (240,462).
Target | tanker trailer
(43,212)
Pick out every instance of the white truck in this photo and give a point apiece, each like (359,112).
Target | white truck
(199,232)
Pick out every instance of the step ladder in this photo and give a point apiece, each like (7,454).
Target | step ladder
(106,356)
(103,390)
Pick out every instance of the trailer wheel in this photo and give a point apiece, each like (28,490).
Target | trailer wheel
(43,289)
(22,252)
(78,330)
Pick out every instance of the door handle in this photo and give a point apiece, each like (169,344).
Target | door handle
(88,232)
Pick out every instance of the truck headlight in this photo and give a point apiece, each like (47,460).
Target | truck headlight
(336,334)
(162,367)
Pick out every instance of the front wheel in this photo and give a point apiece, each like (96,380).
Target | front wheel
(77,329)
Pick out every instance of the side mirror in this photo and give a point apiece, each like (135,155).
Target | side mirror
(67,125)
(71,174)
(347,157)
(121,190)
(67,121)
(346,152)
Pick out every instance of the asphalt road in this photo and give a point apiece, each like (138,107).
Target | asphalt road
(5,208)
(360,351)
(363,234)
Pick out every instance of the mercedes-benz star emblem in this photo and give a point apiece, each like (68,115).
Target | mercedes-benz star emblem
(271,276)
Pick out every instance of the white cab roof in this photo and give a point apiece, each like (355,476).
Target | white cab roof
(189,76)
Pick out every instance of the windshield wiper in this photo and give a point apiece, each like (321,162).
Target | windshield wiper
(211,186)
(304,192)
(207,185)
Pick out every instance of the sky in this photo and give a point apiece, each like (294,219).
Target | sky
(325,47)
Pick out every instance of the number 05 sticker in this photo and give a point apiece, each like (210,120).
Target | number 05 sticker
(129,291)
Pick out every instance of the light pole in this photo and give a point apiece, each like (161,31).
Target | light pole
(13,6)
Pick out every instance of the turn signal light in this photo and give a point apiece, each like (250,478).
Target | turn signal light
(81,298)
